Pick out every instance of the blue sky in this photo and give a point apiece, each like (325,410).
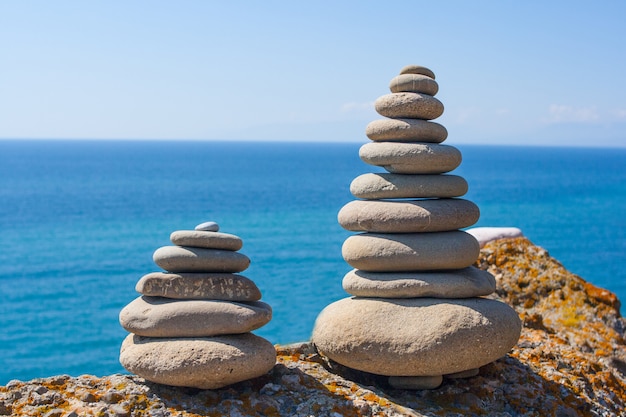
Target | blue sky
(509,72)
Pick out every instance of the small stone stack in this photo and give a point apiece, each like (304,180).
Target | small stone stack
(191,325)
(417,314)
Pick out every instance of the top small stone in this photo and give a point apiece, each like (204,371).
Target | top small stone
(208,227)
(417,69)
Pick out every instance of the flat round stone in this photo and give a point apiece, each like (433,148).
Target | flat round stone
(406,130)
(409,106)
(408,216)
(209,240)
(454,283)
(411,158)
(485,235)
(204,363)
(417,69)
(208,227)
(164,317)
(383,185)
(186,259)
(416,336)
(386,252)
(214,286)
(414,83)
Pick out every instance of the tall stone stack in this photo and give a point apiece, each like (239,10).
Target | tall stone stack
(417,312)
(191,325)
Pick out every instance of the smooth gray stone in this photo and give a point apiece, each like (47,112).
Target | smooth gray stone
(385,185)
(409,106)
(406,130)
(416,336)
(387,252)
(408,216)
(411,158)
(417,69)
(208,227)
(415,382)
(213,286)
(187,259)
(209,240)
(164,317)
(204,363)
(414,83)
(454,283)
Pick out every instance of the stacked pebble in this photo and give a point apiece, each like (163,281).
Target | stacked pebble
(417,314)
(191,325)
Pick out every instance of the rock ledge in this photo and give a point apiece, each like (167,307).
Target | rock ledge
(570,361)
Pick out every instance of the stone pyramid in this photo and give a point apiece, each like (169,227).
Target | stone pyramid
(191,325)
(417,313)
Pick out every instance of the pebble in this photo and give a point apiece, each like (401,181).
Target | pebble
(209,240)
(412,216)
(411,158)
(214,286)
(188,259)
(455,283)
(378,252)
(203,362)
(487,234)
(208,227)
(416,336)
(409,106)
(162,317)
(406,130)
(387,185)
(417,69)
(413,83)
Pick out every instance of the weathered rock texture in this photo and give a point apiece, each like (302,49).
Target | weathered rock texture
(569,361)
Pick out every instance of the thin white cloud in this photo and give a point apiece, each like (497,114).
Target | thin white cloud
(620,114)
(559,113)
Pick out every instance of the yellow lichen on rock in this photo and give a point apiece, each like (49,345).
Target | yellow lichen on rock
(570,360)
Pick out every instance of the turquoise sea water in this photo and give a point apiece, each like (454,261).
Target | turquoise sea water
(79,221)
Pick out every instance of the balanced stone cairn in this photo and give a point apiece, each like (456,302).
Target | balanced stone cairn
(191,325)
(417,313)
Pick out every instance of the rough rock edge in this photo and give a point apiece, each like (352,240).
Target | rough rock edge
(570,361)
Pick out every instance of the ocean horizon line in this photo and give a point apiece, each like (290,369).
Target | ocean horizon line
(296,142)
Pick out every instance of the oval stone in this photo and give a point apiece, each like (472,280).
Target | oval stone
(485,235)
(416,336)
(384,185)
(204,363)
(411,158)
(455,283)
(206,239)
(214,286)
(386,252)
(406,130)
(409,106)
(208,227)
(164,317)
(415,216)
(413,83)
(187,259)
(417,69)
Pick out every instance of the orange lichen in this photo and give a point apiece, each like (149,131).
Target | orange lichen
(570,360)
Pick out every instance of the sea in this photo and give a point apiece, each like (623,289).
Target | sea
(79,221)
